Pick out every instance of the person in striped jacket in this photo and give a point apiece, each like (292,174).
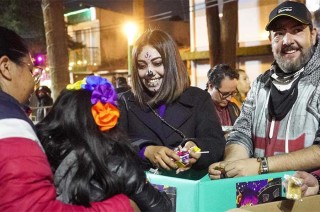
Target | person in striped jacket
(26,179)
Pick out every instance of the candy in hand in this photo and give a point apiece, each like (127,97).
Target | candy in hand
(223,172)
(294,187)
(184,157)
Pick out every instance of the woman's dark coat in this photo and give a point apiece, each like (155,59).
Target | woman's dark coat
(193,114)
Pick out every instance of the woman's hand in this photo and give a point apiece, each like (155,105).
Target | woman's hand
(161,156)
(194,156)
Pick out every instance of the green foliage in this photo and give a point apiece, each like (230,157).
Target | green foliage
(24,17)
(73,45)
(7,14)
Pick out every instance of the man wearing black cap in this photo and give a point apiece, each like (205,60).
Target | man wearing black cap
(45,102)
(276,128)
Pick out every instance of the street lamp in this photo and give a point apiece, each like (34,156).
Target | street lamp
(130,29)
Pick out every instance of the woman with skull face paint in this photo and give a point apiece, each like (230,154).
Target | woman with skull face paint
(162,111)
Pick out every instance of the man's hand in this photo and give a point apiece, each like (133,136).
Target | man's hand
(244,167)
(216,170)
(162,156)
(310,185)
(238,168)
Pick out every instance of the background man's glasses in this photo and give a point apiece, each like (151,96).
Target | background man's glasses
(225,95)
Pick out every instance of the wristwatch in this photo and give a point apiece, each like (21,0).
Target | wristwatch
(264,167)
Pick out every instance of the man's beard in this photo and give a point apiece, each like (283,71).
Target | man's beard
(292,66)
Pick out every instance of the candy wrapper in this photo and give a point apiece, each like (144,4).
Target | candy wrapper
(294,187)
(184,155)
(223,172)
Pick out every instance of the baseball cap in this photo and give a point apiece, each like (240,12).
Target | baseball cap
(291,9)
(44,89)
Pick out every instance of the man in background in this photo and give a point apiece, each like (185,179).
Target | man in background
(121,85)
(222,86)
(45,101)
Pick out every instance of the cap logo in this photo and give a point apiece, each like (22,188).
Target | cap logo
(285,9)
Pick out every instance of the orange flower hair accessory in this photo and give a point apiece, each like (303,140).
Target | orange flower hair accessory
(105,115)
(103,98)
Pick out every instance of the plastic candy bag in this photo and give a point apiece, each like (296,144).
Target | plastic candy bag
(294,187)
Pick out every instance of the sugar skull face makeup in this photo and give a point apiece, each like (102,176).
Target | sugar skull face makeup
(147,56)
(150,68)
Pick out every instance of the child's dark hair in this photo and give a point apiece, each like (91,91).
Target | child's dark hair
(77,131)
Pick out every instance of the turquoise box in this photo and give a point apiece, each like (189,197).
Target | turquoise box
(200,194)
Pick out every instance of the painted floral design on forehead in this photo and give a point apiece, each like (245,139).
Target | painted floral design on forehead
(147,56)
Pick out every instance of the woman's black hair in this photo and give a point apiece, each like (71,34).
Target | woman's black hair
(70,126)
(12,45)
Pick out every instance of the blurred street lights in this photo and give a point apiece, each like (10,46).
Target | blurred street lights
(130,29)
(313,5)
